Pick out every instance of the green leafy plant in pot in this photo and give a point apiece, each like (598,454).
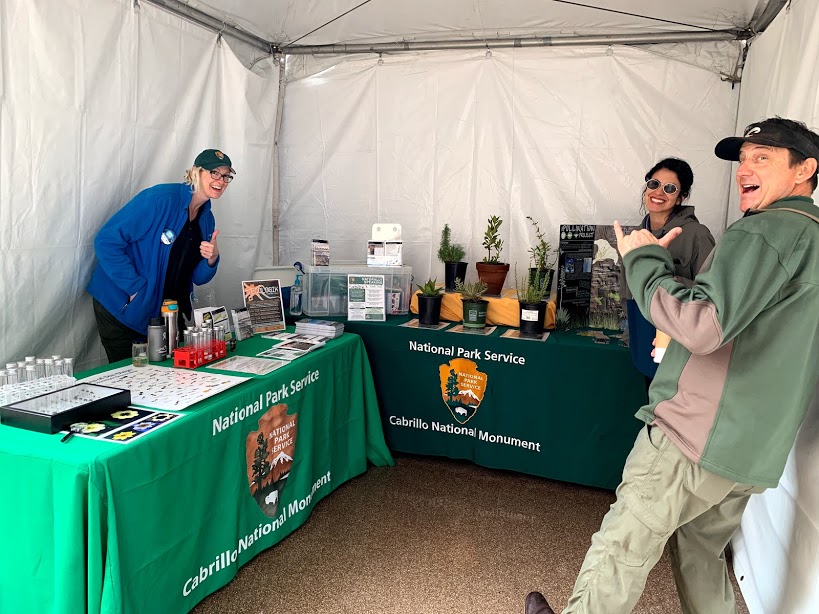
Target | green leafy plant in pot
(474,305)
(452,255)
(531,297)
(543,257)
(492,271)
(429,303)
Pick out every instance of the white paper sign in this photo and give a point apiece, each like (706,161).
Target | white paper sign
(365,298)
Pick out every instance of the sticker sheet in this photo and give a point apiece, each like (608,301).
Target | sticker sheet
(125,425)
(166,388)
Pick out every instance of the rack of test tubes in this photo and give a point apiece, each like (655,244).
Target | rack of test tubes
(32,377)
(200,346)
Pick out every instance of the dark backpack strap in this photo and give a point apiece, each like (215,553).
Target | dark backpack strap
(813,217)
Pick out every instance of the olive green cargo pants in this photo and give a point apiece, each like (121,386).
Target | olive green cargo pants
(663,497)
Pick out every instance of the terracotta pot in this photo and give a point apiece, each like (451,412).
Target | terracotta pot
(493,275)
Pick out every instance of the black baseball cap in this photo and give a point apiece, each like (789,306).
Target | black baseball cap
(771,133)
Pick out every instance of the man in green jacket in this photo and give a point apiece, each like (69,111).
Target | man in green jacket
(733,386)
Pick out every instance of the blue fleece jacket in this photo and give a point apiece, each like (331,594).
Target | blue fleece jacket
(133,258)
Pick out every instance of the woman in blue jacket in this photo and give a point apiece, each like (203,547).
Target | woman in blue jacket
(668,186)
(156,247)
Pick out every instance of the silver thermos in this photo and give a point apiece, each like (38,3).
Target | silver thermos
(157,340)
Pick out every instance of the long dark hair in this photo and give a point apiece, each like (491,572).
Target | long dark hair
(682,169)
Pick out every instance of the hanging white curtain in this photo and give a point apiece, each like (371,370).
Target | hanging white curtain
(564,135)
(777,549)
(98,101)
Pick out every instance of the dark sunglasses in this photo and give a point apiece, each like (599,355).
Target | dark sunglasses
(668,188)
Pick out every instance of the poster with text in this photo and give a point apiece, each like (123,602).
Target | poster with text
(263,300)
(365,298)
(574,263)
(589,272)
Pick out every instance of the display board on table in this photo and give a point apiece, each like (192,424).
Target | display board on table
(263,301)
(589,270)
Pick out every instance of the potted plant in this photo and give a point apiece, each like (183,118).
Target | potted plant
(531,294)
(492,271)
(473,303)
(542,255)
(429,303)
(452,255)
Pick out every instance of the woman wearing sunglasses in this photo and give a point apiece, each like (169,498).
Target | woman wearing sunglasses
(667,187)
(161,243)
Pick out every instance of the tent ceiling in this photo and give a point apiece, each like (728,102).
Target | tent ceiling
(302,22)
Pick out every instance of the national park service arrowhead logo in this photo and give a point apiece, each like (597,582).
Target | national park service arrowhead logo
(462,387)
(269,454)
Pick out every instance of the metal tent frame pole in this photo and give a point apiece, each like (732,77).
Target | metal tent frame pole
(539,41)
(212,23)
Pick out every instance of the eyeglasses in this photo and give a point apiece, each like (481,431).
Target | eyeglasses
(227,177)
(653,184)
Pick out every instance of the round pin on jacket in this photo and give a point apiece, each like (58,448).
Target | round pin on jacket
(167,236)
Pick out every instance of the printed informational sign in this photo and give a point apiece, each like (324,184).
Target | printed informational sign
(589,270)
(365,298)
(574,275)
(263,300)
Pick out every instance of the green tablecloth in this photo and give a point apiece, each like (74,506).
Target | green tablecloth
(566,412)
(158,524)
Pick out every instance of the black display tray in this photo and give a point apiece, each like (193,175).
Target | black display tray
(56,411)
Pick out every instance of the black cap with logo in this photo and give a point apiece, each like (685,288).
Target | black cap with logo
(771,133)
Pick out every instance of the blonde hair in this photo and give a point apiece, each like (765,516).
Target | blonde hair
(192,177)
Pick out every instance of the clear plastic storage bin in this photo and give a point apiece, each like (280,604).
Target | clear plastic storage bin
(325,288)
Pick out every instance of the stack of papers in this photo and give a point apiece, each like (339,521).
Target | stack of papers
(290,350)
(322,328)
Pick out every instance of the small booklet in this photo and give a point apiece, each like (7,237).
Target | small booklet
(301,346)
(242,325)
(278,354)
(320,252)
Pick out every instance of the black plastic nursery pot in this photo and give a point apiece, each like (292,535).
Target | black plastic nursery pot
(475,314)
(453,271)
(532,316)
(544,274)
(429,309)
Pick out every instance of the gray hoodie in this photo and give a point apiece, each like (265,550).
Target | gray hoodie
(688,251)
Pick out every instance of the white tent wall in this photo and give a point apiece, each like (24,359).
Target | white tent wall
(99,100)
(777,548)
(564,135)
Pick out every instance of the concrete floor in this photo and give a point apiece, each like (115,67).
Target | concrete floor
(433,536)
